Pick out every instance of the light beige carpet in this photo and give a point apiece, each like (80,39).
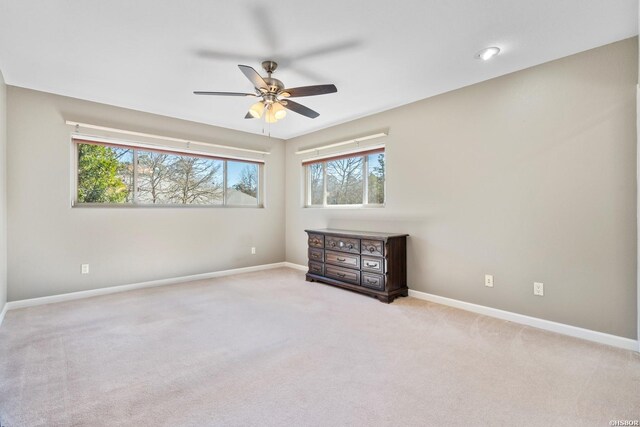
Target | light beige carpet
(269,349)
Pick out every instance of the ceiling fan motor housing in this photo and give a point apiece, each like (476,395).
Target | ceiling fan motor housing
(273,85)
(269,98)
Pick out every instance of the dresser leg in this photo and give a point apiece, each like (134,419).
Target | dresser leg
(383,298)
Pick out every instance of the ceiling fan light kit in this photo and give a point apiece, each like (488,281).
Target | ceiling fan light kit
(274,103)
(270,117)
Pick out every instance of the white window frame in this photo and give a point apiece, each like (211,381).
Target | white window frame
(135,204)
(365,186)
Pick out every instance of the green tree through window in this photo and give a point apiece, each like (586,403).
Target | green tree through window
(101,170)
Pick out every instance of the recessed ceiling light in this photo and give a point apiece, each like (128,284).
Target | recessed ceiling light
(488,53)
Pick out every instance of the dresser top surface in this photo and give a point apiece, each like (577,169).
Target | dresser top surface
(356,233)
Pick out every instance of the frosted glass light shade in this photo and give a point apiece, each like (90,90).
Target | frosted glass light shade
(257,109)
(270,116)
(279,111)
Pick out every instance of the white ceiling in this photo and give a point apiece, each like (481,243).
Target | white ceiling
(150,55)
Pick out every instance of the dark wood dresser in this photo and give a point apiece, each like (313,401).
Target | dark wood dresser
(371,263)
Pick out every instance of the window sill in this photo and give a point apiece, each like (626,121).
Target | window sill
(132,206)
(344,207)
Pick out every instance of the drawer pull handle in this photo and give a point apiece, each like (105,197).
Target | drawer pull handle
(372,281)
(315,255)
(341,259)
(372,264)
(350,246)
(333,244)
(341,274)
(372,249)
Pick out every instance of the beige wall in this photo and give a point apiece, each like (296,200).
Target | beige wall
(3,193)
(48,240)
(529,177)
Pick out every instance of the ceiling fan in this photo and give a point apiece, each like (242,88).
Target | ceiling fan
(275,97)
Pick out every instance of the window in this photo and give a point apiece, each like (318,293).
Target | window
(242,183)
(353,180)
(106,175)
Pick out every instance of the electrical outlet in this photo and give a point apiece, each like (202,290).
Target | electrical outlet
(84,268)
(488,280)
(538,289)
(253,251)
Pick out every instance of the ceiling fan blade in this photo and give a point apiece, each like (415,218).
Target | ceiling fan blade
(310,90)
(327,49)
(253,76)
(199,92)
(249,116)
(300,109)
(223,55)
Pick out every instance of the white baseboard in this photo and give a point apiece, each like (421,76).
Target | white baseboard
(599,337)
(123,288)
(561,328)
(296,266)
(3,312)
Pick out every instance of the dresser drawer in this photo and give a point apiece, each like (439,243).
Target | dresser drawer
(343,244)
(316,268)
(375,265)
(373,281)
(343,259)
(373,247)
(316,254)
(316,240)
(343,274)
